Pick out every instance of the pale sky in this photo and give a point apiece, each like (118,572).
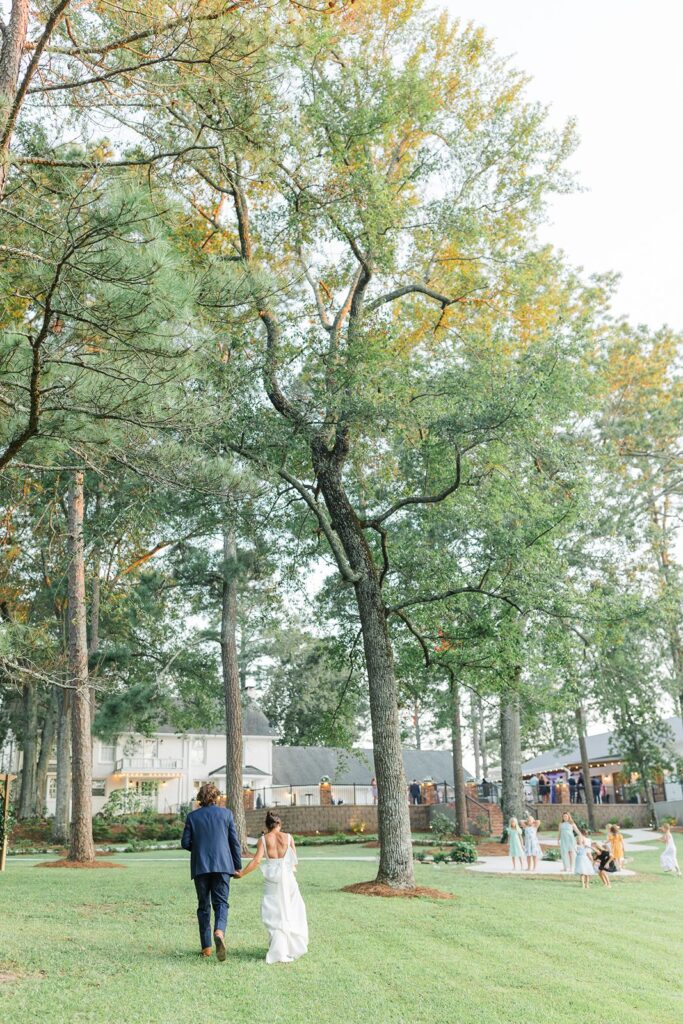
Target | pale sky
(616,66)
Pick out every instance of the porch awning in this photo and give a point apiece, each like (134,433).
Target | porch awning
(157,775)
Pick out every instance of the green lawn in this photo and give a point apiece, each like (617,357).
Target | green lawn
(120,947)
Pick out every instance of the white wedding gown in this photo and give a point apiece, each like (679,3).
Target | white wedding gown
(282,910)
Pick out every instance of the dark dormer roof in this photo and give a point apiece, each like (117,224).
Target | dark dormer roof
(254,723)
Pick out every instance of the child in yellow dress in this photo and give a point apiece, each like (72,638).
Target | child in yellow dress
(616,846)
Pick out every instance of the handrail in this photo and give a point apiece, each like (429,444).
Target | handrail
(483,807)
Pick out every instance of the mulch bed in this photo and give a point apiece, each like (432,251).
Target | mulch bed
(79,864)
(377,889)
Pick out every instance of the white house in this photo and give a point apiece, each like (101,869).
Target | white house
(177,763)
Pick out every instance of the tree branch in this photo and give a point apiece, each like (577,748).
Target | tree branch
(418,499)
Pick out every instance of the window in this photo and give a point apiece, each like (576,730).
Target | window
(107,753)
(198,751)
(98,787)
(52,788)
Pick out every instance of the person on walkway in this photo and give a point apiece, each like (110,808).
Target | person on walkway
(584,864)
(532,847)
(566,837)
(282,908)
(602,858)
(669,857)
(616,845)
(215,856)
(415,792)
(515,838)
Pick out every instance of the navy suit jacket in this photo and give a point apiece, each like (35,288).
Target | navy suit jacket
(211,837)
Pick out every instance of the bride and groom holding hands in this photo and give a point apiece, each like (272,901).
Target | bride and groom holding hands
(216,857)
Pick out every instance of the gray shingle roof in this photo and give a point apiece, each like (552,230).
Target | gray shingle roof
(599,749)
(294,766)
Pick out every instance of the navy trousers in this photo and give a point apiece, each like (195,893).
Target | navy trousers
(213,889)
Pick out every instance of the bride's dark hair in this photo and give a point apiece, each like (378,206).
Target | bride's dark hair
(272,820)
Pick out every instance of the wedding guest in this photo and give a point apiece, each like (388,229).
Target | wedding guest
(415,792)
(572,788)
(616,845)
(595,785)
(566,836)
(602,858)
(580,788)
(374,790)
(532,847)
(584,865)
(669,857)
(516,849)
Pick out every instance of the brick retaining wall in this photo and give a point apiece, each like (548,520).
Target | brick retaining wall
(550,814)
(332,819)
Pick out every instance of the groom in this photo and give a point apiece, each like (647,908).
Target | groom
(215,854)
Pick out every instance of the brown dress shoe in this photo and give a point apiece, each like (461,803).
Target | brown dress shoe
(207,951)
(221,951)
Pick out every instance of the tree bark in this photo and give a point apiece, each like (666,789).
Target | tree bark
(82,847)
(27,791)
(482,740)
(585,766)
(232,697)
(475,737)
(13,40)
(61,824)
(47,741)
(94,639)
(458,767)
(396,851)
(512,788)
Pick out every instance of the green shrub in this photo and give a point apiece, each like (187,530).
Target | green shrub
(420,856)
(627,823)
(440,858)
(443,828)
(667,819)
(551,854)
(463,852)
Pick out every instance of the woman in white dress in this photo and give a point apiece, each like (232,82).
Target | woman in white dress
(669,858)
(282,908)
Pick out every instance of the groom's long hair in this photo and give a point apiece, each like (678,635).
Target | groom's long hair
(208,794)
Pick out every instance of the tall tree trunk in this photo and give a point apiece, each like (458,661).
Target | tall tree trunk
(12,42)
(512,787)
(585,766)
(61,825)
(82,847)
(474,719)
(47,741)
(482,740)
(232,698)
(458,767)
(393,818)
(27,791)
(94,638)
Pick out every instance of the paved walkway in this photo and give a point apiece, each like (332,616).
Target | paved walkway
(636,840)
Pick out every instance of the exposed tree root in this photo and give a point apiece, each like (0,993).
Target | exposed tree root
(79,864)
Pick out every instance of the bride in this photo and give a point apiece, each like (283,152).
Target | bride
(282,909)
